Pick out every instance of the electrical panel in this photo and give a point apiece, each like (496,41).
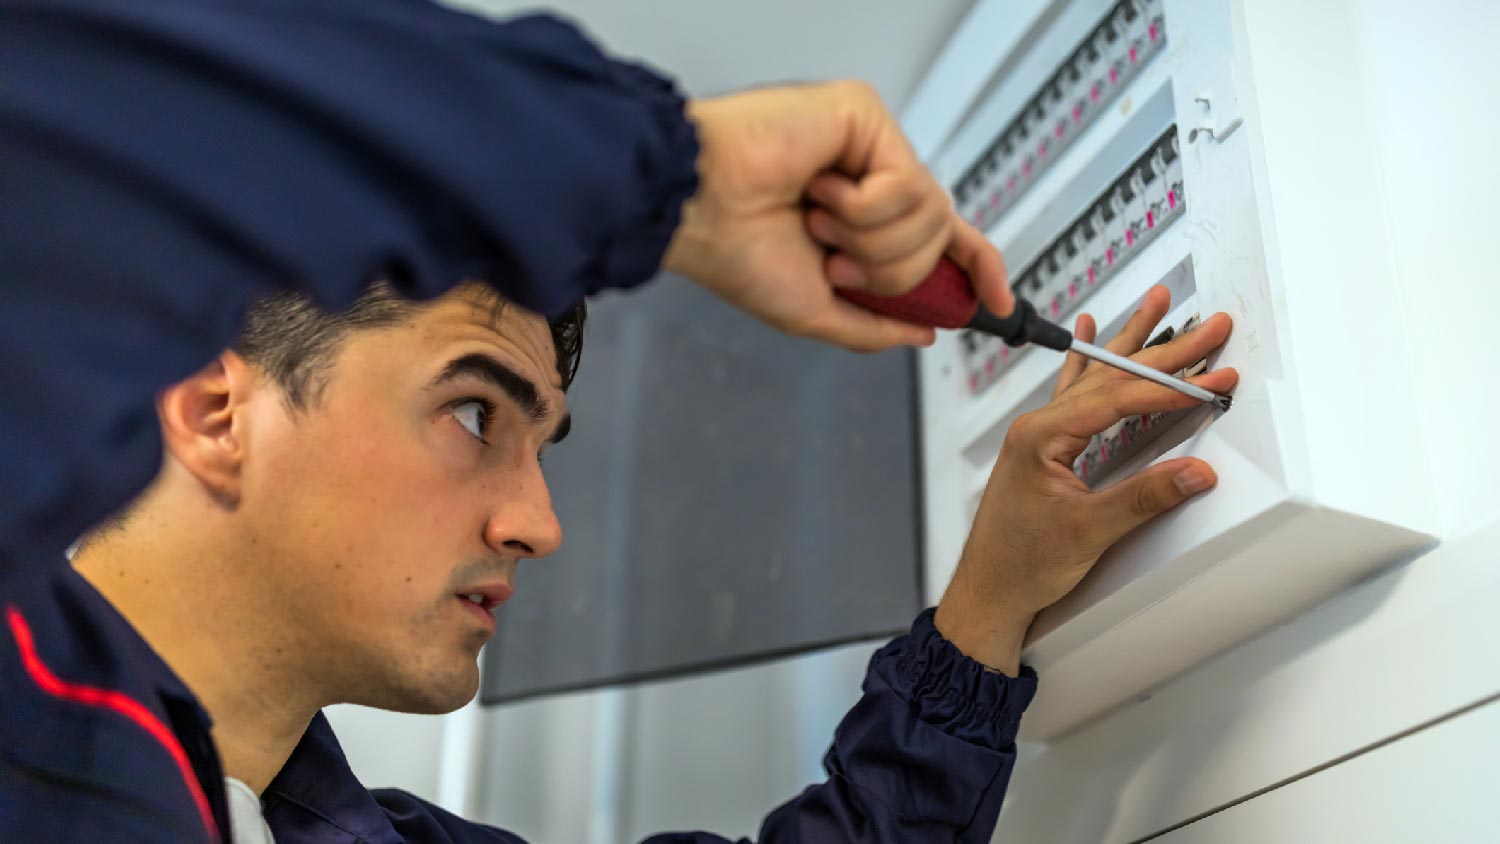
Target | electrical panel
(1120,145)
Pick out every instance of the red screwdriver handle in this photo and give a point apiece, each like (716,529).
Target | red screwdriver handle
(944,299)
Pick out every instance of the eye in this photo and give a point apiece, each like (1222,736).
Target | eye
(474,415)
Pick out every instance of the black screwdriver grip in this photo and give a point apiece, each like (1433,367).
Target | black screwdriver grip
(1024,325)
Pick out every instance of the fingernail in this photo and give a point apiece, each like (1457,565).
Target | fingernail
(847,274)
(821,230)
(1191,481)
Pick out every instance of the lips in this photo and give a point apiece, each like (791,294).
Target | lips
(487,596)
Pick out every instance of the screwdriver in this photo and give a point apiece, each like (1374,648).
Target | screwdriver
(946,299)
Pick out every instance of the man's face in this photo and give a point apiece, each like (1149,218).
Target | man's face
(412,483)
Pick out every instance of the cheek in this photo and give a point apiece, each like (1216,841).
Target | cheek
(374,527)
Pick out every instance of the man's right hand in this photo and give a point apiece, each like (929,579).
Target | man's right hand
(1039,528)
(806,188)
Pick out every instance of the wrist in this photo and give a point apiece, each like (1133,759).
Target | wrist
(686,251)
(991,636)
(677,258)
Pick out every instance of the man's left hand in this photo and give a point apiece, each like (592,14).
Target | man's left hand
(1040,528)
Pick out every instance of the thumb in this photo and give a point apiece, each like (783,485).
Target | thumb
(973,251)
(1149,493)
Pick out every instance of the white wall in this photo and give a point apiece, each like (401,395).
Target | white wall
(1438,785)
(390,749)
(713,752)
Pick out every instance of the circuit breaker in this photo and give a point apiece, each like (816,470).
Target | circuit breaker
(1111,146)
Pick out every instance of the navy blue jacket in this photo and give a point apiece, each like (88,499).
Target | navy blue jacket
(165,162)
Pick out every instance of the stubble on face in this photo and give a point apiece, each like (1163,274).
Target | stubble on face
(376,504)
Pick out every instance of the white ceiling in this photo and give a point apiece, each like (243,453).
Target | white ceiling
(712,46)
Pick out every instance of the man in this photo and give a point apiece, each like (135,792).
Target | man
(345,494)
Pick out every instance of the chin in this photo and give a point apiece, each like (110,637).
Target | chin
(434,693)
(445,697)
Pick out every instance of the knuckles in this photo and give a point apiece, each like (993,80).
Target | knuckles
(1023,432)
(859,90)
(1146,501)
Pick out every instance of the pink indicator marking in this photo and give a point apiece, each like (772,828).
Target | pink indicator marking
(1091,276)
(1114,75)
(1057,130)
(1077,114)
(1083,470)
(1010,184)
(1109,256)
(1004,354)
(1132,54)
(1129,237)
(1152,31)
(1094,92)
(1171,199)
(979,217)
(1073,289)
(1041,148)
(1054,307)
(989,366)
(1026,169)
(1150,220)
(973,382)
(994,199)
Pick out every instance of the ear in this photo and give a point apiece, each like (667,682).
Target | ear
(203,419)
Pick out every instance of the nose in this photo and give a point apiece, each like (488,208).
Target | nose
(521,522)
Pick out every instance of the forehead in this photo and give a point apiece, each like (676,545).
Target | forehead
(472,317)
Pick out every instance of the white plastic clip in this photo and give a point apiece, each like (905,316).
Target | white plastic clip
(1227,111)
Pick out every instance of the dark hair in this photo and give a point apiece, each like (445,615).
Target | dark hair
(294,340)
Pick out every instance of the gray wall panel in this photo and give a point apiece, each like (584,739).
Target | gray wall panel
(727,494)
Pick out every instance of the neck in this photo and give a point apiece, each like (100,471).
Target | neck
(189,603)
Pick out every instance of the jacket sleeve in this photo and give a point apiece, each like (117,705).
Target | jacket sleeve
(162,164)
(924,757)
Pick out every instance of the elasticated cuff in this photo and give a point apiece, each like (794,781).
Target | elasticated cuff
(670,173)
(951,691)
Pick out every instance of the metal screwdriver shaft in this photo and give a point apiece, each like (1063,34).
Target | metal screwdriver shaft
(1109,358)
(946,299)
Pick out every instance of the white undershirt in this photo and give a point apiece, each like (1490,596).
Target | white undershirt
(246,823)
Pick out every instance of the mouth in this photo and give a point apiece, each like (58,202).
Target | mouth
(481,601)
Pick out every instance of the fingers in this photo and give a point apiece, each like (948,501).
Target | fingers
(860,330)
(972,251)
(889,259)
(1137,330)
(886,243)
(879,198)
(1076,420)
(748,235)
(893,253)
(1084,329)
(1151,492)
(1187,349)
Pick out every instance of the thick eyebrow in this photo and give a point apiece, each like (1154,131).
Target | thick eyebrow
(517,387)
